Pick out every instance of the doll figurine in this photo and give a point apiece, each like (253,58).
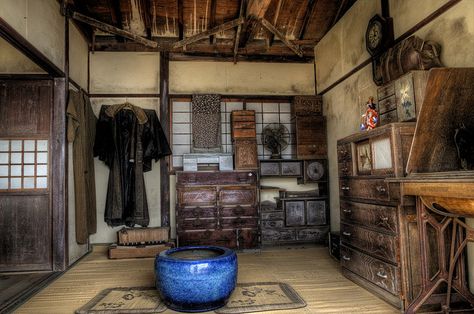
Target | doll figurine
(370,118)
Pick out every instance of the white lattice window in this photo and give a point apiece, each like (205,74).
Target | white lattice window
(24,164)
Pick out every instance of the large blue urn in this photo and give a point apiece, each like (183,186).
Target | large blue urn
(196,278)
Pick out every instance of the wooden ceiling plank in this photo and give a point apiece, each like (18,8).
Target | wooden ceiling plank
(309,13)
(295,48)
(116,13)
(113,30)
(256,10)
(180,20)
(239,29)
(212,20)
(271,37)
(215,30)
(145,11)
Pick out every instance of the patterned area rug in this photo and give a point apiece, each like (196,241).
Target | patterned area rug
(247,298)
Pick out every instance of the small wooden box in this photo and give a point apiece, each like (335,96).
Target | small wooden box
(245,151)
(243,124)
(307,105)
(134,236)
(311,142)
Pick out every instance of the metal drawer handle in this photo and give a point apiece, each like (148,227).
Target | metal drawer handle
(382,275)
(380,189)
(346,258)
(346,233)
(384,218)
(345,188)
(347,210)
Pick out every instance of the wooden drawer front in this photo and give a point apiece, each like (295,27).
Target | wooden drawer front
(388,117)
(246,154)
(269,168)
(247,222)
(294,213)
(316,213)
(248,238)
(380,273)
(197,223)
(387,104)
(196,212)
(273,216)
(375,189)
(382,218)
(312,234)
(278,235)
(377,244)
(244,132)
(386,91)
(291,168)
(270,224)
(311,151)
(226,238)
(345,168)
(237,195)
(215,178)
(344,152)
(243,115)
(237,211)
(197,196)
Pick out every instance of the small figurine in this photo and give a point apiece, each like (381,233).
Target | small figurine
(370,118)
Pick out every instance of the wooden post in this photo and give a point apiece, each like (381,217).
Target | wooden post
(165,123)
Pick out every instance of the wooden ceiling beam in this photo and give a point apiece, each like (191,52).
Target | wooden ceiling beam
(255,11)
(237,32)
(215,30)
(113,30)
(309,13)
(146,10)
(271,37)
(212,20)
(116,13)
(180,20)
(295,48)
(339,11)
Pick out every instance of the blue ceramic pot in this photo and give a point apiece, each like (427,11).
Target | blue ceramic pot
(196,278)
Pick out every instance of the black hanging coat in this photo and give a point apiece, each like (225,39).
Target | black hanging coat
(128,138)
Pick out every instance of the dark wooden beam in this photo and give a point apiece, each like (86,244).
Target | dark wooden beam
(237,32)
(255,11)
(188,56)
(113,30)
(180,20)
(19,42)
(146,10)
(339,11)
(165,124)
(295,48)
(116,13)
(271,37)
(215,30)
(309,13)
(212,20)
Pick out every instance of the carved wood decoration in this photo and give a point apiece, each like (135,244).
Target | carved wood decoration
(203,29)
(243,134)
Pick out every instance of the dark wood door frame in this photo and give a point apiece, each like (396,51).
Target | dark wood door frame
(58,136)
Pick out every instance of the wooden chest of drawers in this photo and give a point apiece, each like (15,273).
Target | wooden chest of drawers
(217,208)
(311,142)
(374,213)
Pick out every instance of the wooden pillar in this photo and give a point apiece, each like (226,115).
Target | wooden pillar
(165,123)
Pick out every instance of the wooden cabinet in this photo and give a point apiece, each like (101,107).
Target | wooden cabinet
(311,142)
(217,208)
(375,215)
(243,132)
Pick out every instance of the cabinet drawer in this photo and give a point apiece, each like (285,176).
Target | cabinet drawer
(313,234)
(291,168)
(196,196)
(270,168)
(244,132)
(379,273)
(382,218)
(237,195)
(377,244)
(375,189)
(344,152)
(386,91)
(247,222)
(227,238)
(387,104)
(345,168)
(311,151)
(270,224)
(197,223)
(273,216)
(237,211)
(215,178)
(196,212)
(278,235)
(316,213)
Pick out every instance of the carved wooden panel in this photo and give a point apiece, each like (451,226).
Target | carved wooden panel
(245,151)
(345,168)
(344,152)
(215,178)
(278,235)
(196,212)
(307,105)
(269,168)
(239,222)
(237,195)
(274,215)
(316,213)
(197,196)
(375,189)
(382,274)
(197,223)
(294,213)
(237,211)
(378,217)
(291,168)
(377,244)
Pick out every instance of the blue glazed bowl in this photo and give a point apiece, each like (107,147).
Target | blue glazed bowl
(196,278)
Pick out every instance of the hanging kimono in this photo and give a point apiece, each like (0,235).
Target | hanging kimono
(128,138)
(81,132)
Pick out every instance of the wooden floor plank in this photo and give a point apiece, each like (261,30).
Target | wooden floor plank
(310,271)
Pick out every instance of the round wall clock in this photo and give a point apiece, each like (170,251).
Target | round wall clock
(378,34)
(315,170)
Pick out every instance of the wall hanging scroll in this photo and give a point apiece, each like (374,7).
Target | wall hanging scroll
(206,123)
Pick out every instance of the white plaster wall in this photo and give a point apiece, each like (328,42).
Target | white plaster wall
(124,72)
(13,61)
(78,54)
(40,22)
(106,234)
(244,78)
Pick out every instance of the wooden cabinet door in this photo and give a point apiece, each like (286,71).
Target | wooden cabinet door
(26,216)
